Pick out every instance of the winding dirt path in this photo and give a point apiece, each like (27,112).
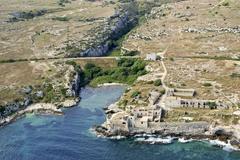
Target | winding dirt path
(162,100)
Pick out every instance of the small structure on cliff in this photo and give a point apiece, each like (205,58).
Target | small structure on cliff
(151,57)
(140,118)
(143,116)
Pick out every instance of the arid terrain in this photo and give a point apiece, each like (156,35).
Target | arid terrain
(180,58)
(201,41)
(33,34)
(43,29)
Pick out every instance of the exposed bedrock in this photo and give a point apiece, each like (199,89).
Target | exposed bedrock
(196,130)
(75,87)
(101,39)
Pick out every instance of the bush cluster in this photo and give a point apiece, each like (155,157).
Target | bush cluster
(157,82)
(127,71)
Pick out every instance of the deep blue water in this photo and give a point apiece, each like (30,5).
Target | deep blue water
(68,137)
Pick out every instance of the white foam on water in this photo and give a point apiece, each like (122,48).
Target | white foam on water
(183,140)
(144,135)
(153,140)
(225,146)
(118,137)
(140,139)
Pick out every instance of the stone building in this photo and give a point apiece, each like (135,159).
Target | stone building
(177,102)
(151,57)
(181,92)
(143,116)
(142,122)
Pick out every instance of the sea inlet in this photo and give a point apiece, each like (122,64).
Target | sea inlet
(69,137)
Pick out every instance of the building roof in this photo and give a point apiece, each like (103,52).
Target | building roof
(144,119)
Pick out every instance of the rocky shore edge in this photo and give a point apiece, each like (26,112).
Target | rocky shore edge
(220,138)
(223,136)
(38,108)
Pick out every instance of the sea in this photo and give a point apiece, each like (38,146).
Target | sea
(70,137)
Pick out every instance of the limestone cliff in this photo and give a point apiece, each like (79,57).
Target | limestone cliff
(100,39)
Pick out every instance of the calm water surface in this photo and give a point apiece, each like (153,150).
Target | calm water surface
(68,137)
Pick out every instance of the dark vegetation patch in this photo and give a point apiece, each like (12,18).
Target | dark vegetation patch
(61,19)
(212,105)
(26,15)
(63,2)
(157,82)
(135,94)
(207,84)
(126,72)
(235,75)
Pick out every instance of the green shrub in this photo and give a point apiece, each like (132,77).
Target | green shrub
(212,105)
(135,94)
(49,87)
(63,2)
(101,80)
(207,84)
(225,3)
(235,75)
(123,102)
(49,96)
(92,71)
(115,52)
(61,19)
(150,82)
(127,72)
(132,53)
(162,91)
(157,82)
(64,92)
(124,62)
(69,62)
(8,61)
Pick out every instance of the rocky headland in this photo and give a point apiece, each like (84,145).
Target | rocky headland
(120,124)
(36,99)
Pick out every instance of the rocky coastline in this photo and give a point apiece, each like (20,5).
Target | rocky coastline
(39,108)
(199,131)
(17,109)
(219,139)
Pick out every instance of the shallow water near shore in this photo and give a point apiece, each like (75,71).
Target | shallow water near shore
(68,137)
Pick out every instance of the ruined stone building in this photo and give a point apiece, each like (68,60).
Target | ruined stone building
(181,92)
(177,102)
(142,116)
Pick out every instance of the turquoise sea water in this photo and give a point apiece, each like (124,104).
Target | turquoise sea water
(68,137)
